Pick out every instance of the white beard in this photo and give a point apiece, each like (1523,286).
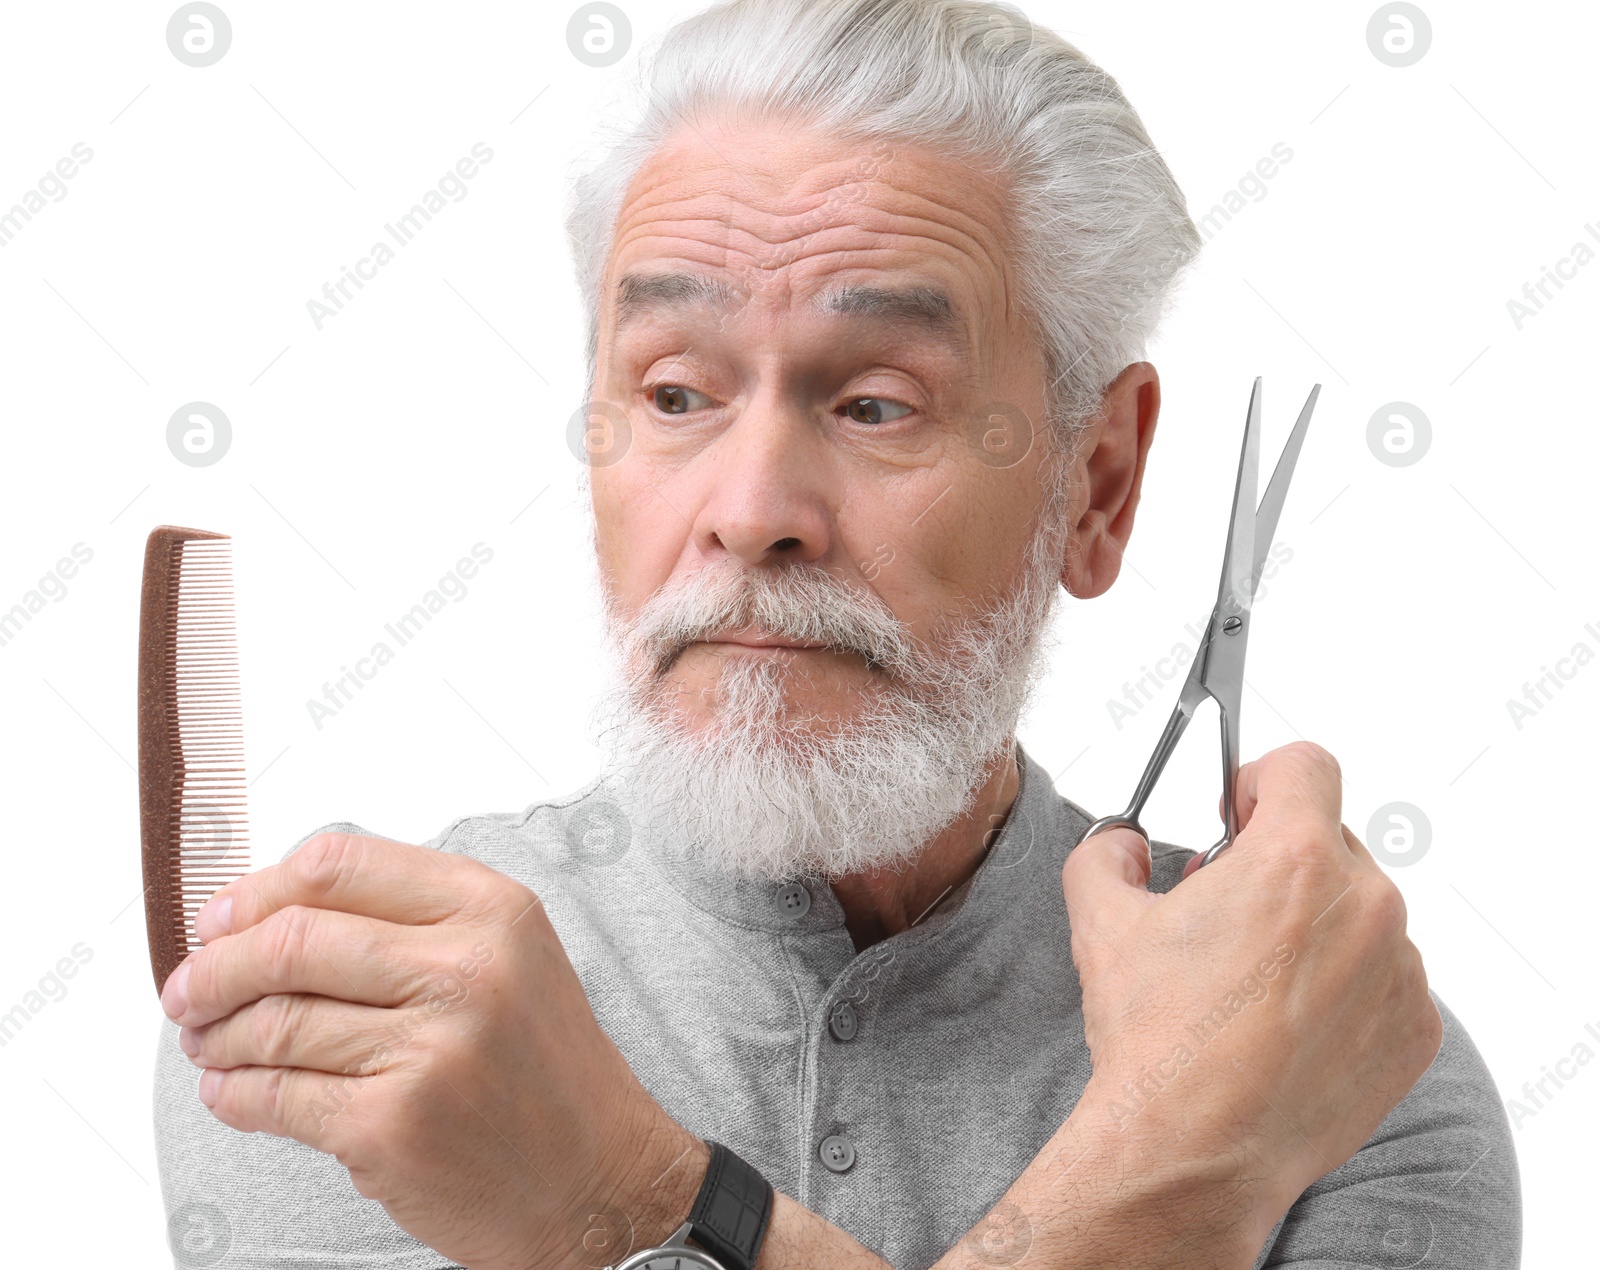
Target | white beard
(767,791)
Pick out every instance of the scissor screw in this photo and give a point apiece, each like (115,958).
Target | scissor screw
(1231,625)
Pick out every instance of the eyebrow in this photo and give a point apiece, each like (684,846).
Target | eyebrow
(922,306)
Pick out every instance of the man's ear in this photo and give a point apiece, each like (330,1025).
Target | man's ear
(1107,470)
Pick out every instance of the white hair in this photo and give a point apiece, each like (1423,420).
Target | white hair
(1100,228)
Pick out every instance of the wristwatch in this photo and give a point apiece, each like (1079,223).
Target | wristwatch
(728,1222)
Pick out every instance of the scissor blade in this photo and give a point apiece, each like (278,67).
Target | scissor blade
(1239,559)
(1209,673)
(1278,488)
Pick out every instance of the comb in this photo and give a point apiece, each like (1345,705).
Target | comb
(191,737)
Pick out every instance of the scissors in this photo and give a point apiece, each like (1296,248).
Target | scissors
(1218,669)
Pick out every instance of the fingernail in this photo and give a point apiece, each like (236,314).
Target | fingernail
(175,995)
(214,919)
(189,1040)
(210,1079)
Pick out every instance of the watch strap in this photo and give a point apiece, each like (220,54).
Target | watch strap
(730,1215)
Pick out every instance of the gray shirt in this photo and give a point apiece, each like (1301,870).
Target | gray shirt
(935,1064)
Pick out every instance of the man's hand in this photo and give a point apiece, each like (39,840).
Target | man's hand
(1250,1029)
(413,1013)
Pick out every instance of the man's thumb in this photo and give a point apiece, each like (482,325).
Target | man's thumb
(1105,881)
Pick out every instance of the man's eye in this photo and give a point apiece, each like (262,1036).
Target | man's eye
(871,410)
(674,399)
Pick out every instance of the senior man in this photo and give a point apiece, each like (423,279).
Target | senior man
(868,290)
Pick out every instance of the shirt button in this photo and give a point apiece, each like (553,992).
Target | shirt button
(793,901)
(842,1022)
(837,1152)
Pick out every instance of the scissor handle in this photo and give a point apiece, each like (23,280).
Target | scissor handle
(1123,821)
(1128,822)
(1176,723)
(1229,723)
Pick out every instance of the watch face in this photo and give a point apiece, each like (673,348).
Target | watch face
(670,1259)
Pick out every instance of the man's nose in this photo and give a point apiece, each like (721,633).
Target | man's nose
(766,494)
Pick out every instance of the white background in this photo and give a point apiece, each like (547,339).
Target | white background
(369,456)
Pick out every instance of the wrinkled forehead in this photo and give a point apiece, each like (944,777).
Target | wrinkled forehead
(803,227)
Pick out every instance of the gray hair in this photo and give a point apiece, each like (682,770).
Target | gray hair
(1100,229)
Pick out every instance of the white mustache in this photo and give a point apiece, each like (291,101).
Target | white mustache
(803,603)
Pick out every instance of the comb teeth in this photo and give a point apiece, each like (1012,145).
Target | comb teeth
(191,736)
